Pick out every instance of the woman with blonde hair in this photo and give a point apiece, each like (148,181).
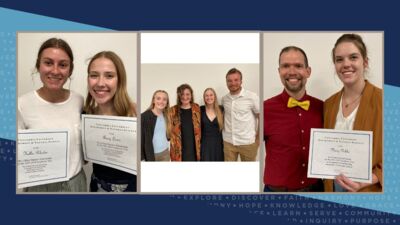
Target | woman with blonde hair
(155,129)
(108,96)
(212,123)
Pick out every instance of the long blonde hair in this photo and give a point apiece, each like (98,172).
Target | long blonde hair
(217,109)
(165,110)
(122,103)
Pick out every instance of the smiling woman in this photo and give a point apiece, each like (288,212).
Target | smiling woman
(102,83)
(47,107)
(155,129)
(357,106)
(185,126)
(108,96)
(212,123)
(54,69)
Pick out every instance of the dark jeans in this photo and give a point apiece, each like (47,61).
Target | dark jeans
(99,185)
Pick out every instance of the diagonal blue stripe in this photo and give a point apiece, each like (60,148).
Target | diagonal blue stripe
(21,22)
(12,21)
(389,200)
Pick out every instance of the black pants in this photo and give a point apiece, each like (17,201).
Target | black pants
(317,187)
(112,185)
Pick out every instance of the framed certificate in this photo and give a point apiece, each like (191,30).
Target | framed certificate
(43,157)
(333,152)
(110,141)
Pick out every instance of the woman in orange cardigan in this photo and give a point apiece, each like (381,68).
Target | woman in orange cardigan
(358,106)
(185,126)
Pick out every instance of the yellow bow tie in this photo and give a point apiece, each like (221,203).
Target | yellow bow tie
(293,103)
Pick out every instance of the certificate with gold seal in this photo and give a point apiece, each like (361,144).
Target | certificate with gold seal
(334,152)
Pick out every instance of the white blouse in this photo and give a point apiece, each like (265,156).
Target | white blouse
(345,123)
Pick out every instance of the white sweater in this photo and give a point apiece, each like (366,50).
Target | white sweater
(36,113)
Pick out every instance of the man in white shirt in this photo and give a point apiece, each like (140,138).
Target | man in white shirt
(242,109)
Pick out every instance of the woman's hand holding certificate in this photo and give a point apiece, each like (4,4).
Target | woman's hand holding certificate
(334,152)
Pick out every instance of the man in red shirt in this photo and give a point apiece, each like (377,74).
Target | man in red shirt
(288,119)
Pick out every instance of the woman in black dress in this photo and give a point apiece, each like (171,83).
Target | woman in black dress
(212,123)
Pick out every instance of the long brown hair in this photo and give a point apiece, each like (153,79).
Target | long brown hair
(165,111)
(123,105)
(217,109)
(179,92)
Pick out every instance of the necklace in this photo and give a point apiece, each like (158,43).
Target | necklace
(350,103)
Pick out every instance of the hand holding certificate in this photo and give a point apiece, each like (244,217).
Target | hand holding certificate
(42,157)
(334,152)
(110,141)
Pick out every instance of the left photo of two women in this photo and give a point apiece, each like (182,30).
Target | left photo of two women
(77,110)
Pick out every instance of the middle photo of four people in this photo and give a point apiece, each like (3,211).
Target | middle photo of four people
(201,112)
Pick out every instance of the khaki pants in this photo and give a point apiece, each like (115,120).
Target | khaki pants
(75,184)
(246,152)
(162,156)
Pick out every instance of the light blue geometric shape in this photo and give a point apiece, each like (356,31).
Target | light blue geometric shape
(12,21)
(389,200)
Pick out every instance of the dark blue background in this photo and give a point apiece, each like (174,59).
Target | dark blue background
(289,15)
(306,15)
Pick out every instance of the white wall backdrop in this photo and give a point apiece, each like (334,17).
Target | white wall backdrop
(84,46)
(199,76)
(323,81)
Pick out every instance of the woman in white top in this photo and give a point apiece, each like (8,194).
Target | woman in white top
(54,107)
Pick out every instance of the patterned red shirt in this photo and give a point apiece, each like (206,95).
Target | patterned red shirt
(287,140)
